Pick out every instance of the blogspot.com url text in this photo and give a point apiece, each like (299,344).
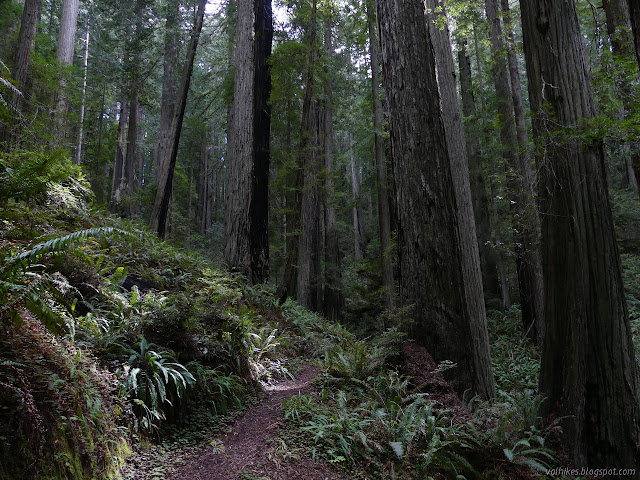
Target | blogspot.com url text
(592,472)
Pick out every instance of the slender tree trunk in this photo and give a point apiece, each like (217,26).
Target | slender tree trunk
(620,34)
(165,180)
(439,269)
(78,157)
(247,198)
(384,216)
(132,147)
(333,291)
(634,11)
(169,82)
(588,373)
(355,193)
(479,198)
(520,182)
(118,164)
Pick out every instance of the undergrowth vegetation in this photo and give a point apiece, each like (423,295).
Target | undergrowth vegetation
(108,335)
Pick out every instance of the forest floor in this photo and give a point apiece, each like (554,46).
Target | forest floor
(256,446)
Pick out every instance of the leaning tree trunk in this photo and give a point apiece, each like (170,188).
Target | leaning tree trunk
(588,372)
(439,267)
(165,179)
(384,215)
(247,197)
(520,183)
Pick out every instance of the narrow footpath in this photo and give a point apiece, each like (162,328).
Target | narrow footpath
(253,448)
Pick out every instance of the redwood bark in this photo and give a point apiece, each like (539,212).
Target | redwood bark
(439,266)
(490,281)
(247,181)
(65,51)
(22,57)
(169,82)
(588,373)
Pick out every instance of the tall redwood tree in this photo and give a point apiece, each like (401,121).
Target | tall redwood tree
(247,181)
(588,371)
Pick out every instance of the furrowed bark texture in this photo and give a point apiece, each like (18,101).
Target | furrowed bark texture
(490,281)
(247,200)
(588,371)
(435,274)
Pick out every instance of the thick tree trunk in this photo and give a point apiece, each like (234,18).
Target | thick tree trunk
(21,62)
(67,35)
(520,182)
(65,51)
(439,269)
(588,372)
(333,290)
(168,163)
(479,198)
(169,82)
(247,197)
(384,216)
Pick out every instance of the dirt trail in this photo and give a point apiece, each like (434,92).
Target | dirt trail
(252,450)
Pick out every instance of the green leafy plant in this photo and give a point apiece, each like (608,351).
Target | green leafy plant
(153,378)
(24,283)
(532,452)
(263,344)
(218,390)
